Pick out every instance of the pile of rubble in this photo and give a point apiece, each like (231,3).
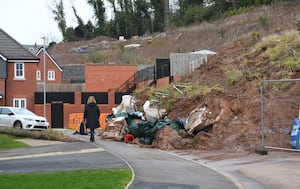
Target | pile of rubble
(127,124)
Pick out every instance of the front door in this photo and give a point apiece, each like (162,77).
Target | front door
(57,114)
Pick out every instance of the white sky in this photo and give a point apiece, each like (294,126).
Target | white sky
(27,21)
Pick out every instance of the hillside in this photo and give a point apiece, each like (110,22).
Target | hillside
(257,22)
(259,44)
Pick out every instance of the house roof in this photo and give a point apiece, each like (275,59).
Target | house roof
(11,50)
(33,49)
(74,73)
(41,50)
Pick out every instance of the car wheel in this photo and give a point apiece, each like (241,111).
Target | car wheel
(18,125)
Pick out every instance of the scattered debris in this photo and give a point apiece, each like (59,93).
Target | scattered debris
(132,46)
(116,129)
(152,112)
(178,36)
(199,120)
(179,88)
(161,94)
(126,124)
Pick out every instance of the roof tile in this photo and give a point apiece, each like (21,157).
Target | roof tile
(13,50)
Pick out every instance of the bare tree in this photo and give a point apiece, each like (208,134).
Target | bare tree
(59,16)
(113,4)
(166,14)
(99,11)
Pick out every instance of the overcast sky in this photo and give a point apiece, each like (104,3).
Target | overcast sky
(27,21)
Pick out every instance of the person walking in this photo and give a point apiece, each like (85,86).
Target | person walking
(91,116)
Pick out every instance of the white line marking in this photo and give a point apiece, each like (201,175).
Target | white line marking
(53,154)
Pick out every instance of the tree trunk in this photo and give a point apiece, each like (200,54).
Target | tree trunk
(166,14)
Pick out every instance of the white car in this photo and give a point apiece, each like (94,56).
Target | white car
(22,119)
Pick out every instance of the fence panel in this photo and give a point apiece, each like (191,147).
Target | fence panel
(184,63)
(276,97)
(146,74)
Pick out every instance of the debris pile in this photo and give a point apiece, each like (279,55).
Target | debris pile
(129,125)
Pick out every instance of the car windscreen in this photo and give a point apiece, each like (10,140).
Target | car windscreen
(22,111)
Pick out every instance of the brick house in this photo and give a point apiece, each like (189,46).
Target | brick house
(21,72)
(53,70)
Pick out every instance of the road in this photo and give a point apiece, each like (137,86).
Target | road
(156,169)
(151,168)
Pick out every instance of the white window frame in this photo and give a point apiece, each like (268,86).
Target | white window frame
(19,102)
(38,75)
(19,73)
(51,75)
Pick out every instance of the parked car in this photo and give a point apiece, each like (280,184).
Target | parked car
(21,118)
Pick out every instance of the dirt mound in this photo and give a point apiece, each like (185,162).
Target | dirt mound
(232,107)
(238,106)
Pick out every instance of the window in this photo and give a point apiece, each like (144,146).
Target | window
(5,111)
(51,75)
(38,75)
(20,102)
(19,70)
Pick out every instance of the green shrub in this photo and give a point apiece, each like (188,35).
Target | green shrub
(292,64)
(233,76)
(236,11)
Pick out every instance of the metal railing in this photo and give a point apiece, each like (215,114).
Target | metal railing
(127,84)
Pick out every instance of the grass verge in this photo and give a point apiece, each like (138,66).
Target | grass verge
(49,134)
(8,141)
(83,179)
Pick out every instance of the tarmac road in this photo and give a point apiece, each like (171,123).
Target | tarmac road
(154,168)
(58,157)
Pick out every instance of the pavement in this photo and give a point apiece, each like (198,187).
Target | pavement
(157,169)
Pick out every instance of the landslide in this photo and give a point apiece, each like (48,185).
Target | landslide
(232,96)
(229,85)
(259,44)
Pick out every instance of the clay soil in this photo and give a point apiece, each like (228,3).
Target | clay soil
(238,131)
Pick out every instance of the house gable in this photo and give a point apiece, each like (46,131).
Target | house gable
(41,50)
(12,51)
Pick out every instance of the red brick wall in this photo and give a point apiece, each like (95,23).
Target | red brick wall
(50,66)
(75,108)
(99,78)
(2,90)
(21,88)
(177,78)
(103,77)
(162,82)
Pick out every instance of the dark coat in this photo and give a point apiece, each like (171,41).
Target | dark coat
(91,115)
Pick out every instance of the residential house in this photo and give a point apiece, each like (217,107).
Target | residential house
(53,70)
(21,72)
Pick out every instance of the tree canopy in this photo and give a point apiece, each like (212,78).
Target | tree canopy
(140,17)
